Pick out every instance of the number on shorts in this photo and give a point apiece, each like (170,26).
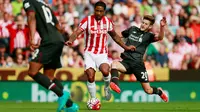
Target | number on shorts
(35,53)
(144,75)
(48,15)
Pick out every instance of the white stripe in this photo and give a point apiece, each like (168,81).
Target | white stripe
(106,38)
(88,36)
(95,36)
(101,38)
(107,23)
(51,85)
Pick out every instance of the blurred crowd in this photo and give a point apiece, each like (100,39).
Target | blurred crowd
(180,49)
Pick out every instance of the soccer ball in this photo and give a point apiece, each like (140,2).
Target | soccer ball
(93,104)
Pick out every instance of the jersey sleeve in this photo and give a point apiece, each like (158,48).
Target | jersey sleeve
(28,6)
(127,32)
(83,24)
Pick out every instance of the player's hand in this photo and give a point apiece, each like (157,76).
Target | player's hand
(130,48)
(34,45)
(163,22)
(68,43)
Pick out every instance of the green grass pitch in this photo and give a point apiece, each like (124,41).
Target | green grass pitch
(106,107)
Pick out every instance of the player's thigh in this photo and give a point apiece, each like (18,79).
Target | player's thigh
(55,62)
(119,66)
(49,72)
(101,59)
(89,61)
(43,55)
(141,74)
(34,68)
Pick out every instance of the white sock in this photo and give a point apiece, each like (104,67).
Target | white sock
(92,89)
(107,80)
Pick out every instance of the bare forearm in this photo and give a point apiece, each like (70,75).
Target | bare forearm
(75,34)
(72,37)
(32,26)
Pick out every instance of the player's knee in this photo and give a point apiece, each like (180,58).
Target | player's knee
(105,72)
(114,65)
(148,90)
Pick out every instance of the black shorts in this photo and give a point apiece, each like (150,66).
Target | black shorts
(137,68)
(49,55)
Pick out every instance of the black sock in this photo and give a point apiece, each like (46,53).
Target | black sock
(44,81)
(58,83)
(156,91)
(69,103)
(115,76)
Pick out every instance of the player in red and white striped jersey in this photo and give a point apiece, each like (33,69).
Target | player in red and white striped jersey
(95,28)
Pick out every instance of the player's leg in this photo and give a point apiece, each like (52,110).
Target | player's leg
(90,72)
(102,63)
(50,70)
(105,68)
(90,69)
(43,80)
(117,67)
(154,90)
(50,73)
(142,76)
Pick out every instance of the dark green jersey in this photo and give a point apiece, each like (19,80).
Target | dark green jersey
(140,39)
(45,21)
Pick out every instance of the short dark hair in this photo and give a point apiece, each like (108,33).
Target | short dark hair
(150,18)
(100,3)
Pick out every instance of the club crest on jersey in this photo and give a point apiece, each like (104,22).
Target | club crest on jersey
(136,38)
(140,39)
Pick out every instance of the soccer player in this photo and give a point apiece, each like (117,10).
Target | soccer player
(47,52)
(132,62)
(95,28)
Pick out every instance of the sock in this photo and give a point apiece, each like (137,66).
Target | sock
(69,103)
(44,81)
(115,76)
(58,83)
(156,91)
(107,80)
(92,89)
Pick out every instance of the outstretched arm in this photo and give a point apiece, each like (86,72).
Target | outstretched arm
(163,23)
(32,24)
(32,27)
(118,40)
(73,36)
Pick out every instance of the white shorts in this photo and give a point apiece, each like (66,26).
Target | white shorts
(94,61)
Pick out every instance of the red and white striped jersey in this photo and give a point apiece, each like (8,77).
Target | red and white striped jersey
(95,33)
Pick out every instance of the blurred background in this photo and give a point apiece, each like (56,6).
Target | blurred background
(173,63)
